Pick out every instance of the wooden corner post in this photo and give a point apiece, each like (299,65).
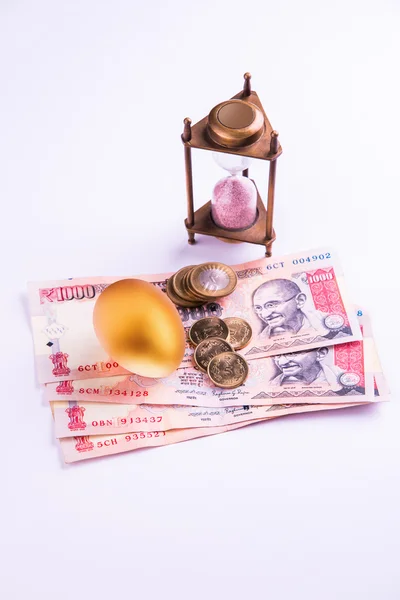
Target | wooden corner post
(269,233)
(186,137)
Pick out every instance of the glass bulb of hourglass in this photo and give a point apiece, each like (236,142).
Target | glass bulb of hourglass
(231,162)
(234,198)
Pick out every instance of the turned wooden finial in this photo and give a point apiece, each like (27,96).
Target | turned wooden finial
(247,84)
(187,130)
(274,142)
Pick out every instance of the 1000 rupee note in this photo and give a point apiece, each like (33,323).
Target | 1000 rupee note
(108,419)
(329,374)
(294,302)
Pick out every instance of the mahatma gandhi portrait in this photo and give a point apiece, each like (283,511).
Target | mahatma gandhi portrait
(303,367)
(278,304)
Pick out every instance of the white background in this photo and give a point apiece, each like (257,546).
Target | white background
(93,95)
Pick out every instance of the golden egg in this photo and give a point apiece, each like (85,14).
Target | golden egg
(140,328)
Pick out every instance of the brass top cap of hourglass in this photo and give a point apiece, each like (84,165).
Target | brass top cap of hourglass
(235,123)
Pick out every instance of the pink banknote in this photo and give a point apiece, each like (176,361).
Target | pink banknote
(295,302)
(329,374)
(107,419)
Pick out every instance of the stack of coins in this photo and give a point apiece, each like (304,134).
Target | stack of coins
(194,285)
(216,341)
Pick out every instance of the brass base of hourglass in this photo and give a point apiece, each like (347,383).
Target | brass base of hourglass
(229,241)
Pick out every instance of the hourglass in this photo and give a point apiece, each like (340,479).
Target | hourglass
(235,131)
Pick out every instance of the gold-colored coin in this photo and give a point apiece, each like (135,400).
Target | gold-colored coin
(206,328)
(212,280)
(240,332)
(228,370)
(177,299)
(209,348)
(177,282)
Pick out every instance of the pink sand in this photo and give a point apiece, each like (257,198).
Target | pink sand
(234,203)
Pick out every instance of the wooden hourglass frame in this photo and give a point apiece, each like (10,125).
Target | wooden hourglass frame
(236,126)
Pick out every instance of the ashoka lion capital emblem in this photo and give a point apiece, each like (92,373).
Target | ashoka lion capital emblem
(60,362)
(83,444)
(65,387)
(76,421)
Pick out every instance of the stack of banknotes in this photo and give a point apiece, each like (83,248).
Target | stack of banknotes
(311,350)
